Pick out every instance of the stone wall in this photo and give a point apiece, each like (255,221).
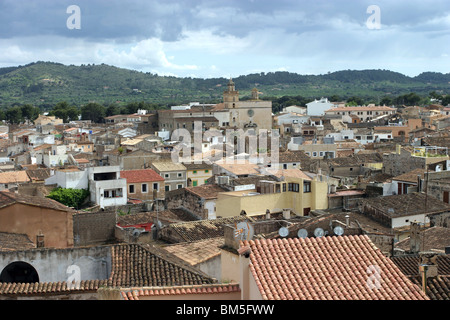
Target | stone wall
(396,164)
(94,228)
(180,198)
(440,220)
(52,265)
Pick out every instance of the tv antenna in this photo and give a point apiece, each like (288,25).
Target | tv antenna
(243,231)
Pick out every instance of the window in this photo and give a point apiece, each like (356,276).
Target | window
(131,188)
(166,175)
(144,188)
(294,187)
(206,171)
(284,166)
(194,183)
(112,193)
(306,186)
(314,154)
(284,187)
(167,188)
(155,186)
(195,171)
(321,153)
(180,186)
(180,175)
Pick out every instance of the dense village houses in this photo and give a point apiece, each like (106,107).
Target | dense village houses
(354,189)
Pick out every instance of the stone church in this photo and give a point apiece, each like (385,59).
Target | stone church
(250,114)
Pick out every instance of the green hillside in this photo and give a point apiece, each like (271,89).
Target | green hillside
(44,84)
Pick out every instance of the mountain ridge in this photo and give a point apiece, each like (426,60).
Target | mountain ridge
(47,83)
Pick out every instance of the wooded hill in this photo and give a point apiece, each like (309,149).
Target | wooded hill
(44,84)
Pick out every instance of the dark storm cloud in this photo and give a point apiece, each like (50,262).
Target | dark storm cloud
(134,20)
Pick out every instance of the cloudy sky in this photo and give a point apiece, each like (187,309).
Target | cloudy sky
(215,38)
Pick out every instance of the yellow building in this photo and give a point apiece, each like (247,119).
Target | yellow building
(295,191)
(197,174)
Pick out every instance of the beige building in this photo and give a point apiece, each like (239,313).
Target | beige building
(318,150)
(46,222)
(253,113)
(198,174)
(295,191)
(45,120)
(364,113)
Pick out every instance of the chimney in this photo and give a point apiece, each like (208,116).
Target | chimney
(398,149)
(414,238)
(428,268)
(244,277)
(286,213)
(267,214)
(347,221)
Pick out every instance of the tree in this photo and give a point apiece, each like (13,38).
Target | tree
(73,198)
(29,112)
(64,111)
(446,100)
(14,115)
(355,101)
(112,110)
(93,111)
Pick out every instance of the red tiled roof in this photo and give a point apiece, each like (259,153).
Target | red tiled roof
(327,268)
(144,175)
(361,108)
(134,294)
(45,288)
(9,198)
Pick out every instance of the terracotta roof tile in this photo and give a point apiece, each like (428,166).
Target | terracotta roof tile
(134,265)
(144,175)
(15,241)
(326,268)
(207,191)
(196,252)
(133,294)
(437,238)
(14,177)
(438,288)
(409,265)
(407,204)
(9,198)
(202,229)
(131,266)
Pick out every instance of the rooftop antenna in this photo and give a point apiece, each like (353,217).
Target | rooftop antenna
(243,231)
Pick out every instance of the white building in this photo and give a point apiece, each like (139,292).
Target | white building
(318,107)
(104,183)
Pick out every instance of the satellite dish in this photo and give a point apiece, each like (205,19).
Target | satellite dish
(302,233)
(136,232)
(319,232)
(339,231)
(283,232)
